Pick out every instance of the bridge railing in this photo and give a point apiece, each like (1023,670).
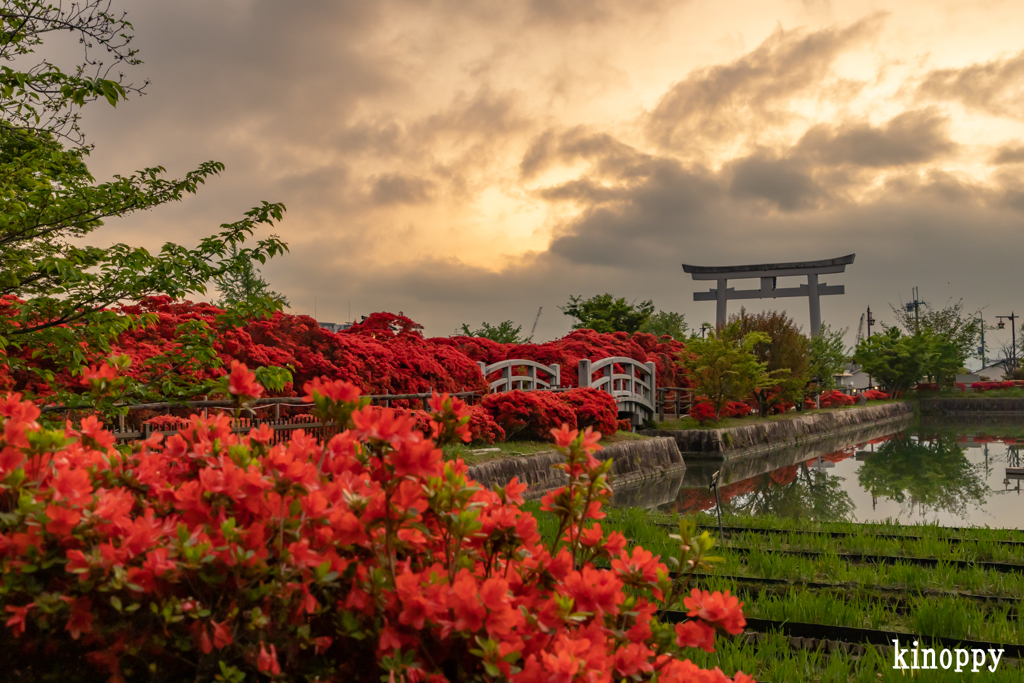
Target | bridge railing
(632,383)
(536,376)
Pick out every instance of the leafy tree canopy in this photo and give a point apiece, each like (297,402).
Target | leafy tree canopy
(605,313)
(785,355)
(948,324)
(827,356)
(61,292)
(503,333)
(244,285)
(898,361)
(725,367)
(665,323)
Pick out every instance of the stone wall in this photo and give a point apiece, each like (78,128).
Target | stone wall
(979,405)
(718,443)
(633,462)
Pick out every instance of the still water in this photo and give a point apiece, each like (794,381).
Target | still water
(946,474)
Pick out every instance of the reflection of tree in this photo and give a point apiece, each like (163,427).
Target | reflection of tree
(927,475)
(805,494)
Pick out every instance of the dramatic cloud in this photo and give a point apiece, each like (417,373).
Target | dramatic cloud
(994,87)
(469,161)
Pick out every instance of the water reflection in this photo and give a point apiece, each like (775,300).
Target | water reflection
(924,473)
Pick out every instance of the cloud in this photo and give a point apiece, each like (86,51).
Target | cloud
(1008,154)
(727,101)
(395,188)
(913,137)
(995,87)
(785,183)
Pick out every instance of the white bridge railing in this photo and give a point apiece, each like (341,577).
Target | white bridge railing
(550,379)
(634,387)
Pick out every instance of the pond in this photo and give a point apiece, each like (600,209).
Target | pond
(950,474)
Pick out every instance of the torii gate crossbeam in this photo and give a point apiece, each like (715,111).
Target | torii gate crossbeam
(767,273)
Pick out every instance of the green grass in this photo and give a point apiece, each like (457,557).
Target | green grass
(727,422)
(473,455)
(903,597)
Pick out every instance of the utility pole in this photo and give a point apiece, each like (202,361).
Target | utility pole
(915,306)
(1013,330)
(981,349)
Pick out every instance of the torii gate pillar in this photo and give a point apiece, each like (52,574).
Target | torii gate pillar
(768,273)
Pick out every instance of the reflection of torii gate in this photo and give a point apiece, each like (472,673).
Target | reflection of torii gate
(768,272)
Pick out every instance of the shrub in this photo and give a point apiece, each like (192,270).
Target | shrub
(529,414)
(702,411)
(834,398)
(875,395)
(359,559)
(594,408)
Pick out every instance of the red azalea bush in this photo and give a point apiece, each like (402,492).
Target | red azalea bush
(594,408)
(365,557)
(834,398)
(702,411)
(988,386)
(529,414)
(875,395)
(736,409)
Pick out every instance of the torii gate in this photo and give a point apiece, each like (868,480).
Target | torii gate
(768,272)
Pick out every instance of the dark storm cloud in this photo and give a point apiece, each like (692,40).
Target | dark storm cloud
(1008,154)
(720,101)
(994,87)
(608,154)
(784,183)
(670,204)
(395,188)
(912,137)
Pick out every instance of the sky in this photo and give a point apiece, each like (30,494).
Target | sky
(464,161)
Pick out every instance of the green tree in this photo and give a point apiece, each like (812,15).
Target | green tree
(926,476)
(665,323)
(49,201)
(827,356)
(724,366)
(785,356)
(245,285)
(503,333)
(605,313)
(948,324)
(894,360)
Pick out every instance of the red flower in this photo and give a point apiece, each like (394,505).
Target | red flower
(695,633)
(62,520)
(338,391)
(17,620)
(242,382)
(717,608)
(267,661)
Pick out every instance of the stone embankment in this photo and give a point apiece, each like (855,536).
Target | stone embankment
(633,462)
(722,443)
(972,406)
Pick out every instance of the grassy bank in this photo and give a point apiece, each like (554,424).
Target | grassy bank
(519,449)
(853,575)
(724,423)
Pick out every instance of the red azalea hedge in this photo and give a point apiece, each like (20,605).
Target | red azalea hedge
(385,354)
(214,554)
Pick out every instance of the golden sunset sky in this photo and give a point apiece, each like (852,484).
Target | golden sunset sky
(464,161)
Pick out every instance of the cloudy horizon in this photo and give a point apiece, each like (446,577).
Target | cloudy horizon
(472,161)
